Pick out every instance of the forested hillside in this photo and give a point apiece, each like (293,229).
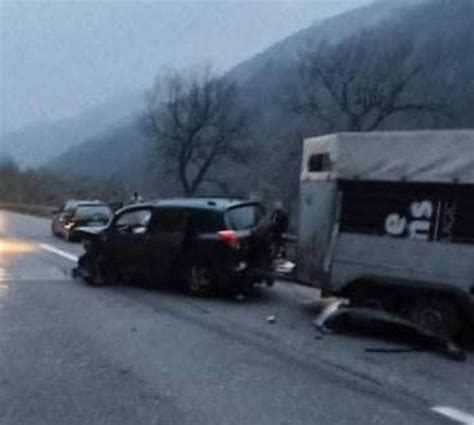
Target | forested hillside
(38,143)
(383,67)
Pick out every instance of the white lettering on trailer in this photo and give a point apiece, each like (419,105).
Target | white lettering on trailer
(418,223)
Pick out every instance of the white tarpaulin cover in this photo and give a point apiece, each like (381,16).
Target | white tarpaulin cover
(423,156)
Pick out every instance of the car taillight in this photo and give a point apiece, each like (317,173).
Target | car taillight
(230,237)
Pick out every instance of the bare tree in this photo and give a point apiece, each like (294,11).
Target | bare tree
(195,121)
(358,84)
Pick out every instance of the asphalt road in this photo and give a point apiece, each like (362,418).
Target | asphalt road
(72,354)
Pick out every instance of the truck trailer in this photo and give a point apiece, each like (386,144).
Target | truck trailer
(387,220)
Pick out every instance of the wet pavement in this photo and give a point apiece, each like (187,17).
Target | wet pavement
(74,354)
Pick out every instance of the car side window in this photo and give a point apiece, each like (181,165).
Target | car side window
(169,220)
(135,221)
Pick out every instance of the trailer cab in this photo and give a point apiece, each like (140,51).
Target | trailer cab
(387,219)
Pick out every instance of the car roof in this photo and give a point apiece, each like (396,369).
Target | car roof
(90,204)
(83,201)
(208,203)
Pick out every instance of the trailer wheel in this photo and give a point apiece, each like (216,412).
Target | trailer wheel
(440,316)
(362,296)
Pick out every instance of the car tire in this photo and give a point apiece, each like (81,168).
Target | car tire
(99,273)
(440,316)
(200,279)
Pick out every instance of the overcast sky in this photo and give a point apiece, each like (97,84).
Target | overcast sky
(61,57)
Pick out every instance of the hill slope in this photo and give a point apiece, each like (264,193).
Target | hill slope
(39,143)
(267,80)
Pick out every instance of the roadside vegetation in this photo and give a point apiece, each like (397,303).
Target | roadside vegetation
(40,187)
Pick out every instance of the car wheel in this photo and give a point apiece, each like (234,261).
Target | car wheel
(199,279)
(99,273)
(437,315)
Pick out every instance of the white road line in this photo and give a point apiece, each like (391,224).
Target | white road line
(3,274)
(59,252)
(455,414)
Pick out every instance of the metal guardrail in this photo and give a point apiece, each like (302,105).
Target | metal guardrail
(37,210)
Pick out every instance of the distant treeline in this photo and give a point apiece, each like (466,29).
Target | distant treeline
(39,187)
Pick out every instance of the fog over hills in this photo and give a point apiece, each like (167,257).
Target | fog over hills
(121,155)
(285,52)
(60,58)
(36,144)
(267,80)
(439,33)
(261,78)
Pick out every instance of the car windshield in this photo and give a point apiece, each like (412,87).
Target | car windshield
(97,212)
(244,217)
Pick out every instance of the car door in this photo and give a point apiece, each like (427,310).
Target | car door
(126,241)
(167,233)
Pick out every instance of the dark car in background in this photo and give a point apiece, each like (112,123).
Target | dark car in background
(205,244)
(76,213)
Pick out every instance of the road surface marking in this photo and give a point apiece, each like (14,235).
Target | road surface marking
(4,276)
(59,252)
(455,414)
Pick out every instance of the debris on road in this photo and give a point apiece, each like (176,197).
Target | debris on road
(328,306)
(271,319)
(337,316)
(240,297)
(284,266)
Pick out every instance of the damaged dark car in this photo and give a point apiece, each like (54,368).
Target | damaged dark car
(206,245)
